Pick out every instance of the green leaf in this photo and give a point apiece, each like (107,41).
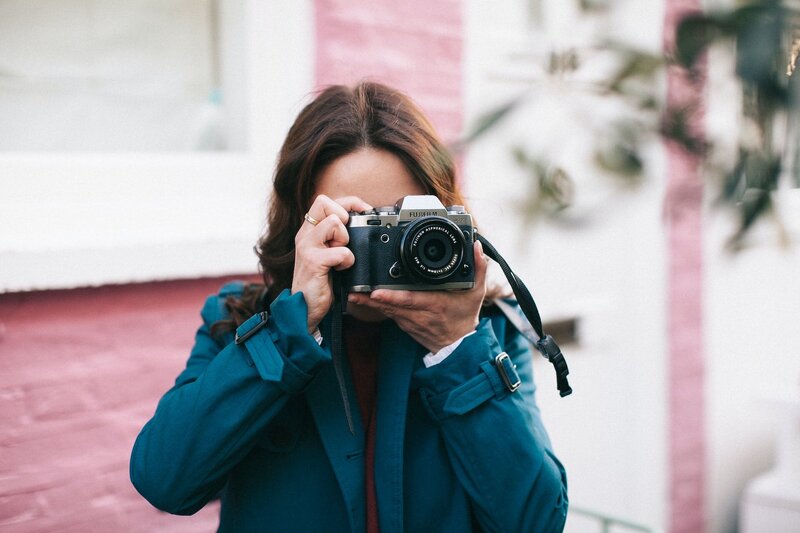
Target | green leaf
(758,174)
(758,30)
(677,127)
(489,120)
(590,6)
(755,170)
(535,164)
(557,187)
(733,182)
(756,202)
(693,35)
(796,165)
(621,160)
(635,64)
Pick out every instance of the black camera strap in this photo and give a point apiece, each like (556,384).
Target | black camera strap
(544,343)
(337,350)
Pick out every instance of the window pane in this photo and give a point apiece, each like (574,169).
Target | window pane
(111,75)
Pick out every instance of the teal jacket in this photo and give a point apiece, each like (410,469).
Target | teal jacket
(261,425)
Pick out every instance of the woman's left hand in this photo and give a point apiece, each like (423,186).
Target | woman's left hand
(434,319)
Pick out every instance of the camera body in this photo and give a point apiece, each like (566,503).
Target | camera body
(418,244)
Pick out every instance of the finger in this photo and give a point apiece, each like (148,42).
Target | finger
(364,300)
(329,232)
(353,203)
(323,207)
(358,298)
(386,310)
(397,298)
(338,258)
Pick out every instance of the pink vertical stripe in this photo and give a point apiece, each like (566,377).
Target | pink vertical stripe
(686,368)
(414,45)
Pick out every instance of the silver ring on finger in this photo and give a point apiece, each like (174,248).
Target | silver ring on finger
(311,220)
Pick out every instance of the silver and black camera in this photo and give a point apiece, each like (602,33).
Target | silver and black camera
(418,244)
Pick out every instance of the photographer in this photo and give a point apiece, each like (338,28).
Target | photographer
(439,443)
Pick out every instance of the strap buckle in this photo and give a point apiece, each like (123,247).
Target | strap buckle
(508,371)
(251,326)
(550,350)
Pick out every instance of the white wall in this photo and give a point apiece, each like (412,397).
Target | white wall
(86,218)
(752,301)
(607,268)
(753,352)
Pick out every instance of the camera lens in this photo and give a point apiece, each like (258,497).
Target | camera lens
(435,250)
(432,248)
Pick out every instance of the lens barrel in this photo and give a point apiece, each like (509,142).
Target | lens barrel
(432,249)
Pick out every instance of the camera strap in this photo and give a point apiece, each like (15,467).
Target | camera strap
(544,343)
(337,351)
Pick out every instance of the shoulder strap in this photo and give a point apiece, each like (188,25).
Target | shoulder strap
(544,343)
(517,318)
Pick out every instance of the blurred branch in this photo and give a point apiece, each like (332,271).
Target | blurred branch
(488,121)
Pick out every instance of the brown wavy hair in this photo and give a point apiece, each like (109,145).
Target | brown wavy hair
(341,120)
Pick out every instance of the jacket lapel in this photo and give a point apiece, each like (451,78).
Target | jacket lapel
(398,352)
(345,450)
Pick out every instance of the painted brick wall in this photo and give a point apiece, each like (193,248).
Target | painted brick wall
(80,372)
(414,45)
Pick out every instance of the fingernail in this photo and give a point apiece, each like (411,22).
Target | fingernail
(351,298)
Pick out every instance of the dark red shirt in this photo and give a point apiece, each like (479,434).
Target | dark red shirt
(361,340)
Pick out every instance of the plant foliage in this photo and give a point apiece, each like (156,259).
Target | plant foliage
(764,35)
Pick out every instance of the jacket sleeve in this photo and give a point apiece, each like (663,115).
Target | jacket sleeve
(212,417)
(495,438)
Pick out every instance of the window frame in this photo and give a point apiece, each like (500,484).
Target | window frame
(83,219)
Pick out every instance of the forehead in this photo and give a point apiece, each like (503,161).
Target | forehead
(376,176)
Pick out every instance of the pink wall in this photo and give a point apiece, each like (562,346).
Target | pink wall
(414,45)
(82,370)
(686,361)
(80,373)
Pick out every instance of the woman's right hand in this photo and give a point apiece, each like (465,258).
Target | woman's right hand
(319,248)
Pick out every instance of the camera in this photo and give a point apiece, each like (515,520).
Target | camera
(418,244)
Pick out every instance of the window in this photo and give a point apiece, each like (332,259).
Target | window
(89,198)
(81,75)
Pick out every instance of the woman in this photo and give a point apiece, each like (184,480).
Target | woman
(440,443)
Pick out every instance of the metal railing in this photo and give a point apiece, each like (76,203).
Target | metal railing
(606,521)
